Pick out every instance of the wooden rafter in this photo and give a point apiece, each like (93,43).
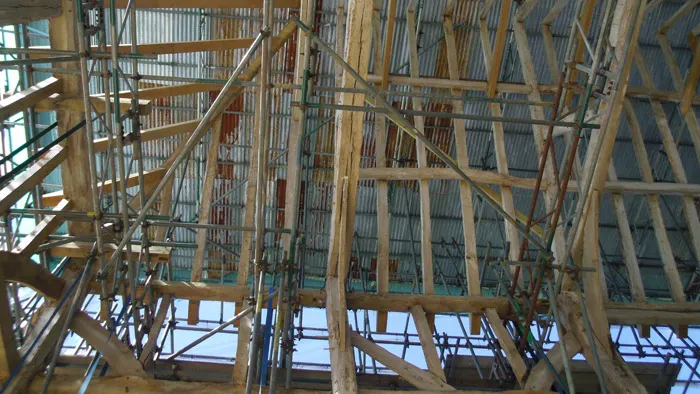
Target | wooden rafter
(47,226)
(28,97)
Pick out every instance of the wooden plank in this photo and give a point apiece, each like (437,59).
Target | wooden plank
(102,144)
(28,97)
(541,376)
(159,254)
(151,177)
(9,356)
(47,226)
(209,4)
(423,380)
(425,335)
(13,12)
(421,155)
(471,259)
(205,205)
(507,345)
(691,81)
(25,181)
(154,332)
(498,47)
(121,359)
(163,48)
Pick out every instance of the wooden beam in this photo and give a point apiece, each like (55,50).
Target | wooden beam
(423,380)
(121,359)
(47,226)
(343,378)
(151,177)
(24,182)
(380,136)
(691,81)
(471,259)
(159,254)
(21,269)
(14,12)
(680,13)
(499,138)
(164,48)
(206,201)
(389,43)
(422,158)
(541,376)
(134,385)
(507,345)
(28,97)
(72,103)
(146,359)
(209,4)
(618,376)
(498,47)
(690,118)
(9,357)
(102,144)
(425,335)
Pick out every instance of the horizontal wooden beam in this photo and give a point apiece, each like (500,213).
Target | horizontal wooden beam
(58,102)
(28,97)
(150,177)
(494,178)
(510,87)
(207,4)
(156,133)
(632,313)
(13,12)
(61,384)
(25,181)
(159,254)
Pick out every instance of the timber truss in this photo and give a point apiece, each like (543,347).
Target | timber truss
(128,199)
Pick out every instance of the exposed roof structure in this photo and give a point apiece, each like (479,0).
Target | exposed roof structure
(372,156)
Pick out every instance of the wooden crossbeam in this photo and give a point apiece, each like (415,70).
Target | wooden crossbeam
(25,181)
(121,359)
(64,102)
(102,144)
(423,380)
(150,177)
(209,4)
(28,97)
(47,226)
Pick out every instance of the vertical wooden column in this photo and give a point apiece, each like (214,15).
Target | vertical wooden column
(421,155)
(348,147)
(471,260)
(380,130)
(75,170)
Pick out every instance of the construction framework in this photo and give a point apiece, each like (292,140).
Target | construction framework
(458,196)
